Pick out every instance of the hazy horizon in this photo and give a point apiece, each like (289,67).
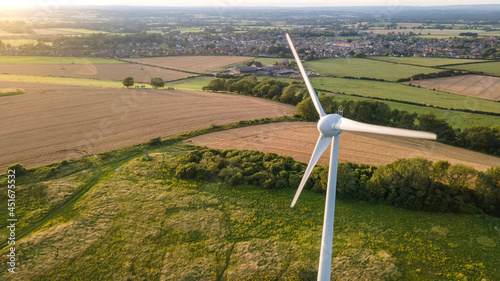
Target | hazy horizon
(246,3)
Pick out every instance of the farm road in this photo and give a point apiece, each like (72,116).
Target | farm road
(56,122)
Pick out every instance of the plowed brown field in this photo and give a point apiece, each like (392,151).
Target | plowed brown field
(140,73)
(297,139)
(55,122)
(196,64)
(483,87)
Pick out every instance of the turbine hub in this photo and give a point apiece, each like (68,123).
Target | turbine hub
(327,125)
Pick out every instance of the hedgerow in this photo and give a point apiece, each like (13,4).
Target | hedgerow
(415,184)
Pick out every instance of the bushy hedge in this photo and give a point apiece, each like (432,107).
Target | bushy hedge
(267,88)
(416,184)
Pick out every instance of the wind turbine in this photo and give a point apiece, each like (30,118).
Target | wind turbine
(330,126)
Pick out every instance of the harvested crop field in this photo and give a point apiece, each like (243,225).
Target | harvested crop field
(140,73)
(484,87)
(297,139)
(55,122)
(196,64)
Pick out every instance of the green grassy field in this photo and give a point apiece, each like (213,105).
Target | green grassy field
(55,60)
(492,68)
(365,68)
(396,91)
(124,217)
(401,92)
(64,81)
(428,62)
(11,92)
(192,84)
(19,42)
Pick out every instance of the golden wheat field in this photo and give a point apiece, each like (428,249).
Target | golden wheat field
(196,64)
(297,139)
(56,122)
(140,73)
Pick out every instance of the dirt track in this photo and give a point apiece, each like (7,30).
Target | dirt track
(140,73)
(298,139)
(483,87)
(55,122)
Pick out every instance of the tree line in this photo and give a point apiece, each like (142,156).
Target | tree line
(478,138)
(415,184)
(273,89)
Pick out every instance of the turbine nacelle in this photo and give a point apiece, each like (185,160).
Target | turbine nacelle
(328,125)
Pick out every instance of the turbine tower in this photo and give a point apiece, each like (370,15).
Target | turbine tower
(330,126)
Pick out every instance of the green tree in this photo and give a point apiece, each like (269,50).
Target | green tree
(128,82)
(216,85)
(157,82)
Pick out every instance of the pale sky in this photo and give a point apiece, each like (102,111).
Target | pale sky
(241,3)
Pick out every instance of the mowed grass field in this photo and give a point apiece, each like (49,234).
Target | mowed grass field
(389,90)
(427,62)
(401,92)
(492,68)
(55,122)
(120,216)
(297,139)
(357,67)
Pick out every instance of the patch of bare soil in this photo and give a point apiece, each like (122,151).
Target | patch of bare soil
(297,139)
(483,87)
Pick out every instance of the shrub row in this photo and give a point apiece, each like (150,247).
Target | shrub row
(267,88)
(415,184)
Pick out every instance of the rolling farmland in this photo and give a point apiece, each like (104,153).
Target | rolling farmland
(427,62)
(197,64)
(140,73)
(61,122)
(298,139)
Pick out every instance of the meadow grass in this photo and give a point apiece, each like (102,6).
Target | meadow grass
(427,62)
(11,92)
(356,67)
(141,222)
(491,68)
(19,42)
(65,80)
(55,60)
(401,92)
(190,84)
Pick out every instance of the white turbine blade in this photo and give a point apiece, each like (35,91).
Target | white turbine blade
(321,146)
(354,126)
(310,88)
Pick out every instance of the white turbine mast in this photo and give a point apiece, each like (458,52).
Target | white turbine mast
(330,126)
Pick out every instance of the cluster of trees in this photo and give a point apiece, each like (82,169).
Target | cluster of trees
(267,88)
(416,184)
(479,138)
(156,82)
